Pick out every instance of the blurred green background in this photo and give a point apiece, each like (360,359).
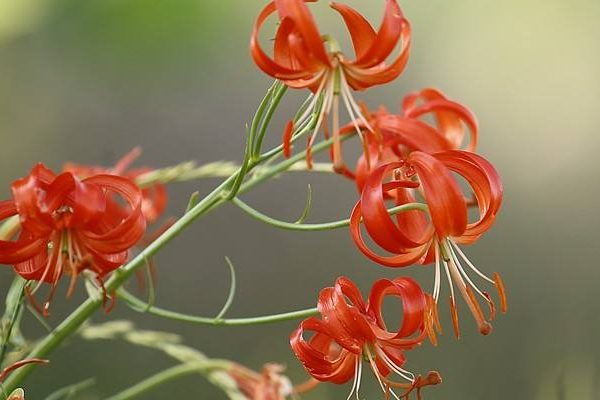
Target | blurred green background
(86,81)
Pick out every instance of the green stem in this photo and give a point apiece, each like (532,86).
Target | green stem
(90,306)
(316,227)
(278,93)
(158,379)
(141,306)
(69,391)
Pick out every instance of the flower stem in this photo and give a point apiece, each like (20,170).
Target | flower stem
(142,306)
(316,227)
(161,378)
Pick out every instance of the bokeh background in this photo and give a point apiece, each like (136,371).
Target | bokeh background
(86,81)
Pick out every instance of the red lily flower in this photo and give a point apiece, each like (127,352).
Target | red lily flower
(301,59)
(154,197)
(351,331)
(413,238)
(71,225)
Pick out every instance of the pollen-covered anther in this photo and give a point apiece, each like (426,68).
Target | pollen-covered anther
(485,328)
(432,322)
(501,292)
(454,313)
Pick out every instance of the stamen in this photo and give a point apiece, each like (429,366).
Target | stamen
(325,107)
(71,267)
(51,260)
(470,264)
(57,274)
(485,328)
(310,109)
(454,313)
(357,109)
(337,144)
(374,367)
(409,376)
(357,361)
(462,271)
(491,305)
(359,379)
(429,328)
(434,314)
(501,292)
(33,301)
(436,283)
(287,139)
(363,138)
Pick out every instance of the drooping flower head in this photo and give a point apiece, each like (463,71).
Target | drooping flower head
(68,225)
(351,332)
(419,237)
(154,196)
(304,58)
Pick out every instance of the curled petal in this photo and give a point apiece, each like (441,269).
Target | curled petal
(298,12)
(28,195)
(361,78)
(8,208)
(361,31)
(485,183)
(343,308)
(414,134)
(266,63)
(386,39)
(319,354)
(414,305)
(443,194)
(154,202)
(25,247)
(449,116)
(375,215)
(404,259)
(123,236)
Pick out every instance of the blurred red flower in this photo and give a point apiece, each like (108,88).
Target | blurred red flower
(154,196)
(68,225)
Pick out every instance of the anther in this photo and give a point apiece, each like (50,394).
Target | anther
(485,328)
(454,313)
(501,292)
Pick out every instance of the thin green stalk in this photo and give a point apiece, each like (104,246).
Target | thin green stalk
(142,306)
(260,135)
(68,391)
(214,199)
(14,307)
(316,227)
(158,379)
